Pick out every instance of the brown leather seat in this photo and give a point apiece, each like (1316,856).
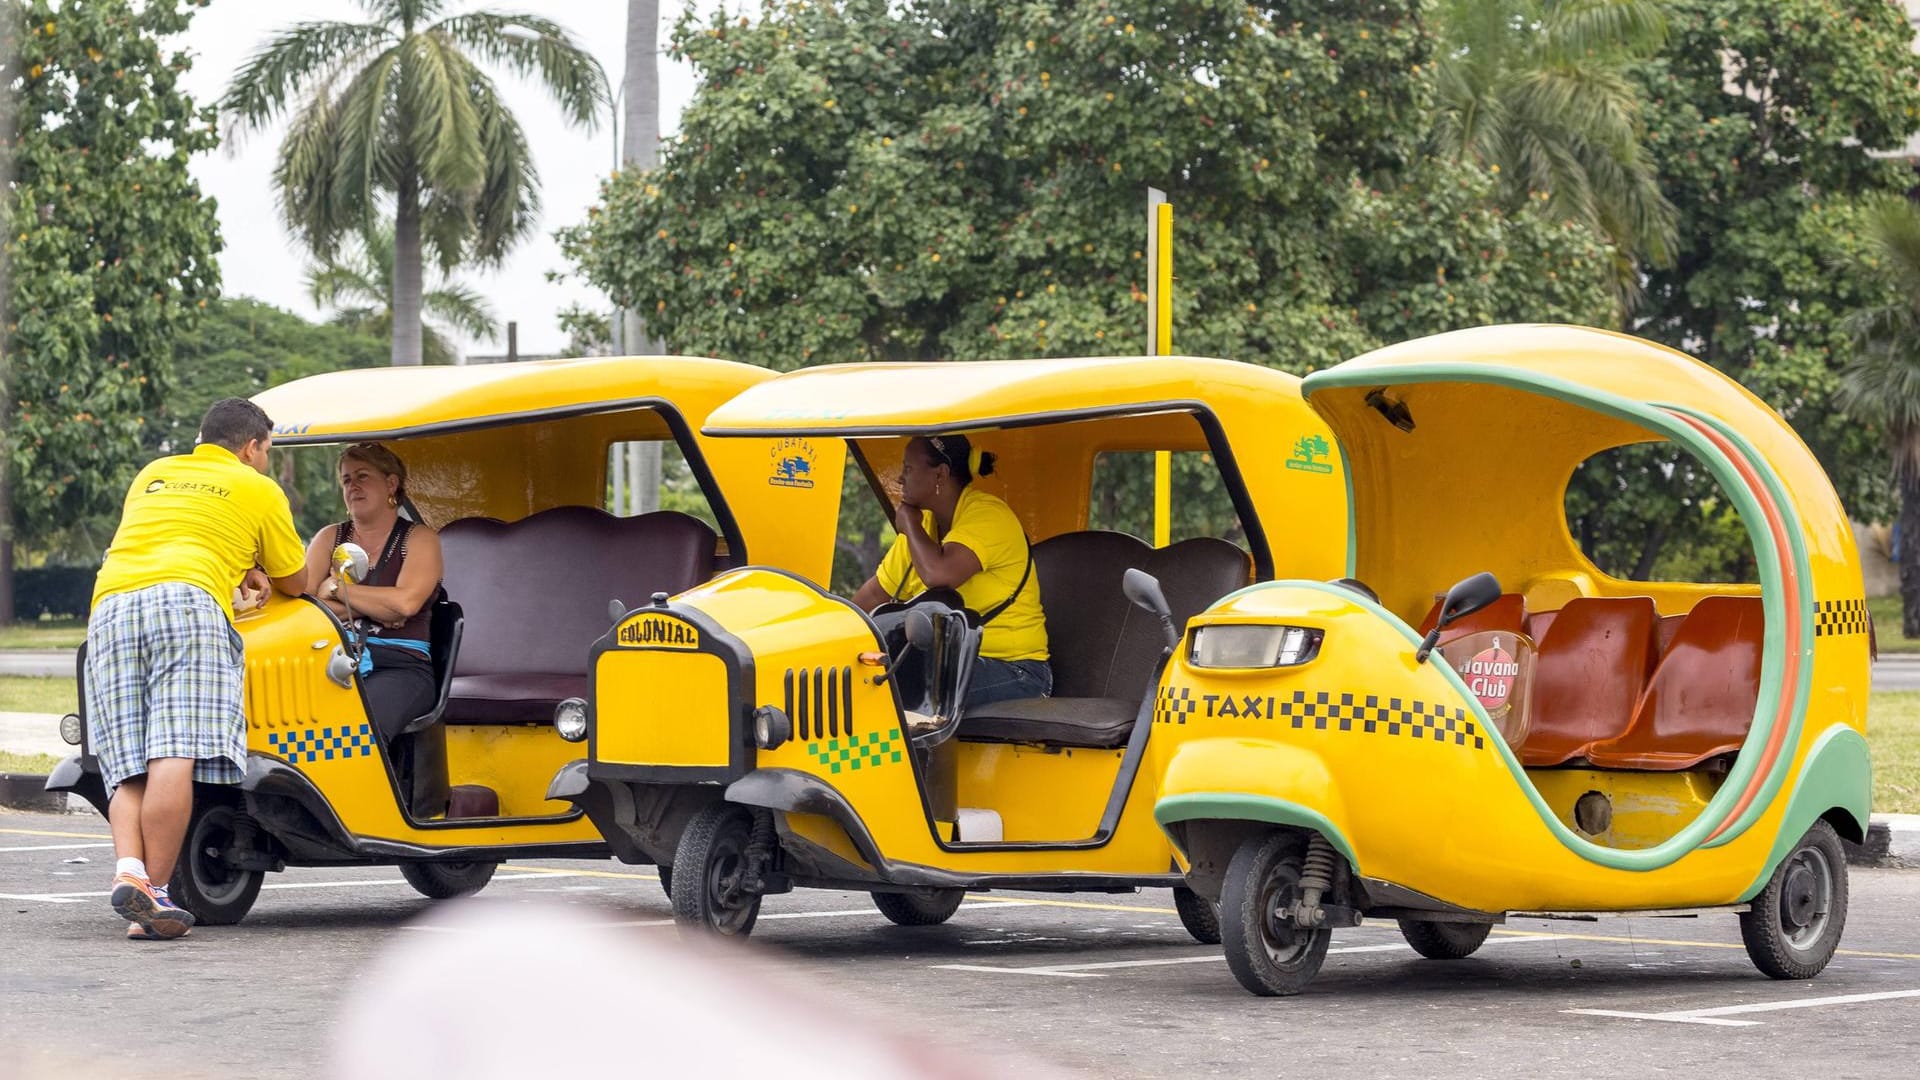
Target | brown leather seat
(1103,648)
(1701,699)
(535,593)
(1588,672)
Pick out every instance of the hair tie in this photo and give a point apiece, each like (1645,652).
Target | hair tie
(973,462)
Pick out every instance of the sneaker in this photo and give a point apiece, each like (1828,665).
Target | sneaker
(136,932)
(133,900)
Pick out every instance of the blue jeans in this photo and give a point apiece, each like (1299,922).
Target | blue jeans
(1007,680)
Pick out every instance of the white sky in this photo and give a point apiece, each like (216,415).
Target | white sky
(262,260)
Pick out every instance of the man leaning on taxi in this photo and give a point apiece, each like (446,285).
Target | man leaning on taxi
(164,667)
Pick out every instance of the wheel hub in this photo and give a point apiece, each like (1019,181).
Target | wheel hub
(1799,896)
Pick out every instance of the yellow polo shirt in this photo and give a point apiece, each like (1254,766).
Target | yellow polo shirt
(986,526)
(201,519)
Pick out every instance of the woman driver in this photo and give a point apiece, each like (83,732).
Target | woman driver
(954,536)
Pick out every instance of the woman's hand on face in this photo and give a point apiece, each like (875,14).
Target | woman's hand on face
(905,516)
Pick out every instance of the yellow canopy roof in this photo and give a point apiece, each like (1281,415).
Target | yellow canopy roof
(910,398)
(397,403)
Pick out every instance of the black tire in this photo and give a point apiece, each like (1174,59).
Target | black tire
(1198,914)
(666,879)
(1268,959)
(217,894)
(1444,940)
(712,858)
(446,880)
(916,909)
(1797,919)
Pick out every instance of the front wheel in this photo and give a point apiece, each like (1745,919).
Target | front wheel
(446,880)
(919,909)
(217,893)
(1198,914)
(711,878)
(1444,940)
(1795,922)
(1269,957)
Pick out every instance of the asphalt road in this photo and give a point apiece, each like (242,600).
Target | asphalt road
(563,966)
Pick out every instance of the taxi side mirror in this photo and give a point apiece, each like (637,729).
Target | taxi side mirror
(919,628)
(1465,598)
(351,560)
(1144,590)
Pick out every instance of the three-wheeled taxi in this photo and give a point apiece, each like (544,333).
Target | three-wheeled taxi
(1577,744)
(510,463)
(758,732)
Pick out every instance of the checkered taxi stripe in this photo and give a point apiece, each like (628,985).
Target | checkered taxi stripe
(871,750)
(1832,618)
(1322,710)
(322,744)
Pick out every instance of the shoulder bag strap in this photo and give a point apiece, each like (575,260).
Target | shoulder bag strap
(1003,605)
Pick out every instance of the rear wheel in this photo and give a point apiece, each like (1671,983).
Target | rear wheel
(1269,957)
(446,880)
(710,891)
(919,909)
(1797,919)
(1198,914)
(217,893)
(1444,940)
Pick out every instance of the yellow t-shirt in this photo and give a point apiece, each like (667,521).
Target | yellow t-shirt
(986,526)
(201,519)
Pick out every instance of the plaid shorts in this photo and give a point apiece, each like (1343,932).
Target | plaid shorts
(164,679)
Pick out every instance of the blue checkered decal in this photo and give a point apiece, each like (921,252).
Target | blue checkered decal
(322,744)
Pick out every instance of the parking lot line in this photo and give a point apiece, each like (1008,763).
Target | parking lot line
(1716,1016)
(1618,940)
(44,832)
(75,897)
(1084,905)
(583,873)
(51,847)
(1092,970)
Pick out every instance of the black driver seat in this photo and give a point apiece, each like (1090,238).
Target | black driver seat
(1104,649)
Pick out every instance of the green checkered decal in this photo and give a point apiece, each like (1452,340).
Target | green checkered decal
(871,750)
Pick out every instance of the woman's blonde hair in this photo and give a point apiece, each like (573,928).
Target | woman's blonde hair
(383,460)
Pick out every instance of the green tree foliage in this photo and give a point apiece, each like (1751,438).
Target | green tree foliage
(110,247)
(1881,383)
(1762,116)
(357,282)
(937,179)
(400,112)
(1541,91)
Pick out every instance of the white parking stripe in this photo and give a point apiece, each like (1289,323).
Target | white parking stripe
(1713,1016)
(50,847)
(1091,971)
(770,915)
(74,897)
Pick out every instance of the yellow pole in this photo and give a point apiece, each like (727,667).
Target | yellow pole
(1160,343)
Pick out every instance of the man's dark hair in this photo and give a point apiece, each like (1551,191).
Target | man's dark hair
(234,422)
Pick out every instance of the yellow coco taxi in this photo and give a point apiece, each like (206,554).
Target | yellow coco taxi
(1577,744)
(759,733)
(511,464)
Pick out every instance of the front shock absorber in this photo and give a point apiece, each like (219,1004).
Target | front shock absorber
(1316,877)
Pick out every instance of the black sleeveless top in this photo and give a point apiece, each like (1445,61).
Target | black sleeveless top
(386,572)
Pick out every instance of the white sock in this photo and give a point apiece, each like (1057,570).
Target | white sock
(136,867)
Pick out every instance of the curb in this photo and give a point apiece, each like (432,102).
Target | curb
(1893,841)
(27,791)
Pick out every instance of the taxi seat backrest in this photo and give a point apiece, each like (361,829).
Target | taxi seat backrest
(1701,699)
(535,593)
(1080,596)
(1104,649)
(1588,671)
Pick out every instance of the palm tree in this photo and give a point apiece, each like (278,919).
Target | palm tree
(396,115)
(1540,90)
(357,282)
(1880,385)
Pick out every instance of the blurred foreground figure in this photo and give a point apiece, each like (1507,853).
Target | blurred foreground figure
(632,998)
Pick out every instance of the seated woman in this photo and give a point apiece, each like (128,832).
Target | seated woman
(954,536)
(392,607)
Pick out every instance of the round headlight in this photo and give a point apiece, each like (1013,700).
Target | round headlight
(71,729)
(570,719)
(771,727)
